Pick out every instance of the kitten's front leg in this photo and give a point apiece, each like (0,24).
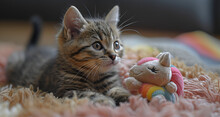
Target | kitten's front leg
(96,98)
(119,94)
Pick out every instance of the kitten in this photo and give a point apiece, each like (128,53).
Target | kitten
(84,65)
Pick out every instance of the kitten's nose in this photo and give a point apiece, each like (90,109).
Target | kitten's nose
(112,56)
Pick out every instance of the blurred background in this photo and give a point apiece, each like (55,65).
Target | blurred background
(152,18)
(189,29)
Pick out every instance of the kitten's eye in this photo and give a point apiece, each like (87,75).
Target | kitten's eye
(97,45)
(116,45)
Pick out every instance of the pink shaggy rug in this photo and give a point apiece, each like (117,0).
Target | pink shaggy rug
(201,95)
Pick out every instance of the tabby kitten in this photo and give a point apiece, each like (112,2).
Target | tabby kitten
(85,64)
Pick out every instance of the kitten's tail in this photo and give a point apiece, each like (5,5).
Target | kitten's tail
(37,25)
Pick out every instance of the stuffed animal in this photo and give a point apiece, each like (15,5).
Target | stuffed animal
(155,76)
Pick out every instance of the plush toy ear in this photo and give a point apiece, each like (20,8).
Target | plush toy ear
(113,16)
(73,21)
(165,59)
(159,55)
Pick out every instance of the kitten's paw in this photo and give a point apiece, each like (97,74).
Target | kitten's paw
(119,94)
(69,94)
(95,98)
(104,101)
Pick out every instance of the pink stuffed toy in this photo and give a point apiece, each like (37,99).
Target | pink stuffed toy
(155,76)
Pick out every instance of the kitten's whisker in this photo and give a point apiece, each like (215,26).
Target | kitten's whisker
(91,71)
(125,22)
(97,71)
(123,14)
(88,65)
(121,28)
(86,9)
(81,68)
(131,30)
(88,72)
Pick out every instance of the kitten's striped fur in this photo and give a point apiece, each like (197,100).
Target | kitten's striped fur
(85,63)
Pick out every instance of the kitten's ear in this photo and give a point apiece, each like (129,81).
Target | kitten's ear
(73,21)
(113,16)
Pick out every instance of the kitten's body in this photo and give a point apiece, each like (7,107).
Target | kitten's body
(85,62)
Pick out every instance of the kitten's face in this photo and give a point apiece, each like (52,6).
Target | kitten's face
(96,45)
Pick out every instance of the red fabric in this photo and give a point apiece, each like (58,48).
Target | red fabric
(177,78)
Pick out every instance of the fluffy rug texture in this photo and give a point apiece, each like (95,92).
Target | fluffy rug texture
(201,95)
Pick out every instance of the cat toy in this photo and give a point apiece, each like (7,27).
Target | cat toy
(155,76)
